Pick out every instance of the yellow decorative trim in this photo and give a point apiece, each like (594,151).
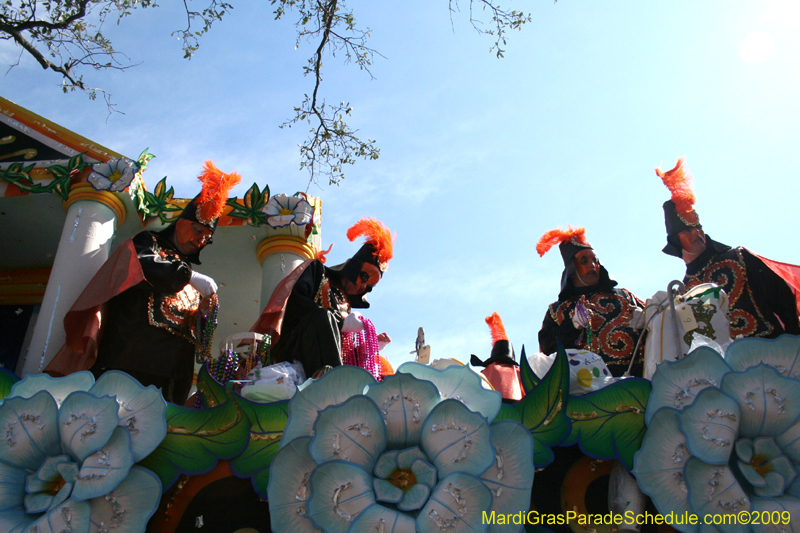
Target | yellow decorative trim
(23,287)
(266,436)
(56,132)
(293,245)
(85,191)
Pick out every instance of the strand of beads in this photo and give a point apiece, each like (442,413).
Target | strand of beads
(361,349)
(264,350)
(205,326)
(223,367)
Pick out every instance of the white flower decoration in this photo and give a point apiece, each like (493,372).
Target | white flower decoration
(417,453)
(67,459)
(115,175)
(282,210)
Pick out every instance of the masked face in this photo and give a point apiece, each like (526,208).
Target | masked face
(191,237)
(368,277)
(587,268)
(693,241)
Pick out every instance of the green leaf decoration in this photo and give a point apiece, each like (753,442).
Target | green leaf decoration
(210,391)
(143,159)
(609,423)
(267,423)
(529,379)
(20,176)
(508,412)
(7,380)
(543,410)
(159,202)
(254,201)
(196,439)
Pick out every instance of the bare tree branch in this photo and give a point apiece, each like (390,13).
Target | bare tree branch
(331,144)
(66,36)
(503,20)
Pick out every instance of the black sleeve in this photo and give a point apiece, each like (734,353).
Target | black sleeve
(301,300)
(771,293)
(163,268)
(551,331)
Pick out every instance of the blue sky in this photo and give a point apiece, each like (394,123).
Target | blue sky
(480,156)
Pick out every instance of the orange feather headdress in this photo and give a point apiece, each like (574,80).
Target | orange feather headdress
(496,326)
(212,199)
(556,236)
(679,183)
(377,235)
(502,350)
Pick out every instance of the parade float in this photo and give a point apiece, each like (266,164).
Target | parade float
(430,448)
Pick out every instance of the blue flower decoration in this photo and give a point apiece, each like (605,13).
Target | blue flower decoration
(67,459)
(416,452)
(724,435)
(115,175)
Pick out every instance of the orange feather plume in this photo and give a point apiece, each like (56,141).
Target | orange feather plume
(497,328)
(322,253)
(556,236)
(378,235)
(386,367)
(214,195)
(679,183)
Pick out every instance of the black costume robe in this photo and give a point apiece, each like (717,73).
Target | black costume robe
(614,341)
(312,324)
(136,315)
(760,303)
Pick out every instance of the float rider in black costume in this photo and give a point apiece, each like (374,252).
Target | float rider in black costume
(591,313)
(760,303)
(312,306)
(138,314)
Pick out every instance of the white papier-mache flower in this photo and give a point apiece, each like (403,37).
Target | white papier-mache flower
(282,210)
(723,437)
(415,452)
(67,458)
(115,175)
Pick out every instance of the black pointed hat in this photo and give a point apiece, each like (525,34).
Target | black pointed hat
(502,350)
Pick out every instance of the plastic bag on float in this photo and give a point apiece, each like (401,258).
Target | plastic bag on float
(701,315)
(624,495)
(274,382)
(587,370)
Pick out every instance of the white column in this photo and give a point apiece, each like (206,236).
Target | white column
(85,243)
(280,255)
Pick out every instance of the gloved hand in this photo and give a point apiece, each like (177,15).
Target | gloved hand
(352,323)
(581,316)
(383,341)
(204,284)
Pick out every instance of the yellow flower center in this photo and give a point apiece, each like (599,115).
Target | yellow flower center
(54,486)
(286,211)
(403,478)
(758,462)
(115,176)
